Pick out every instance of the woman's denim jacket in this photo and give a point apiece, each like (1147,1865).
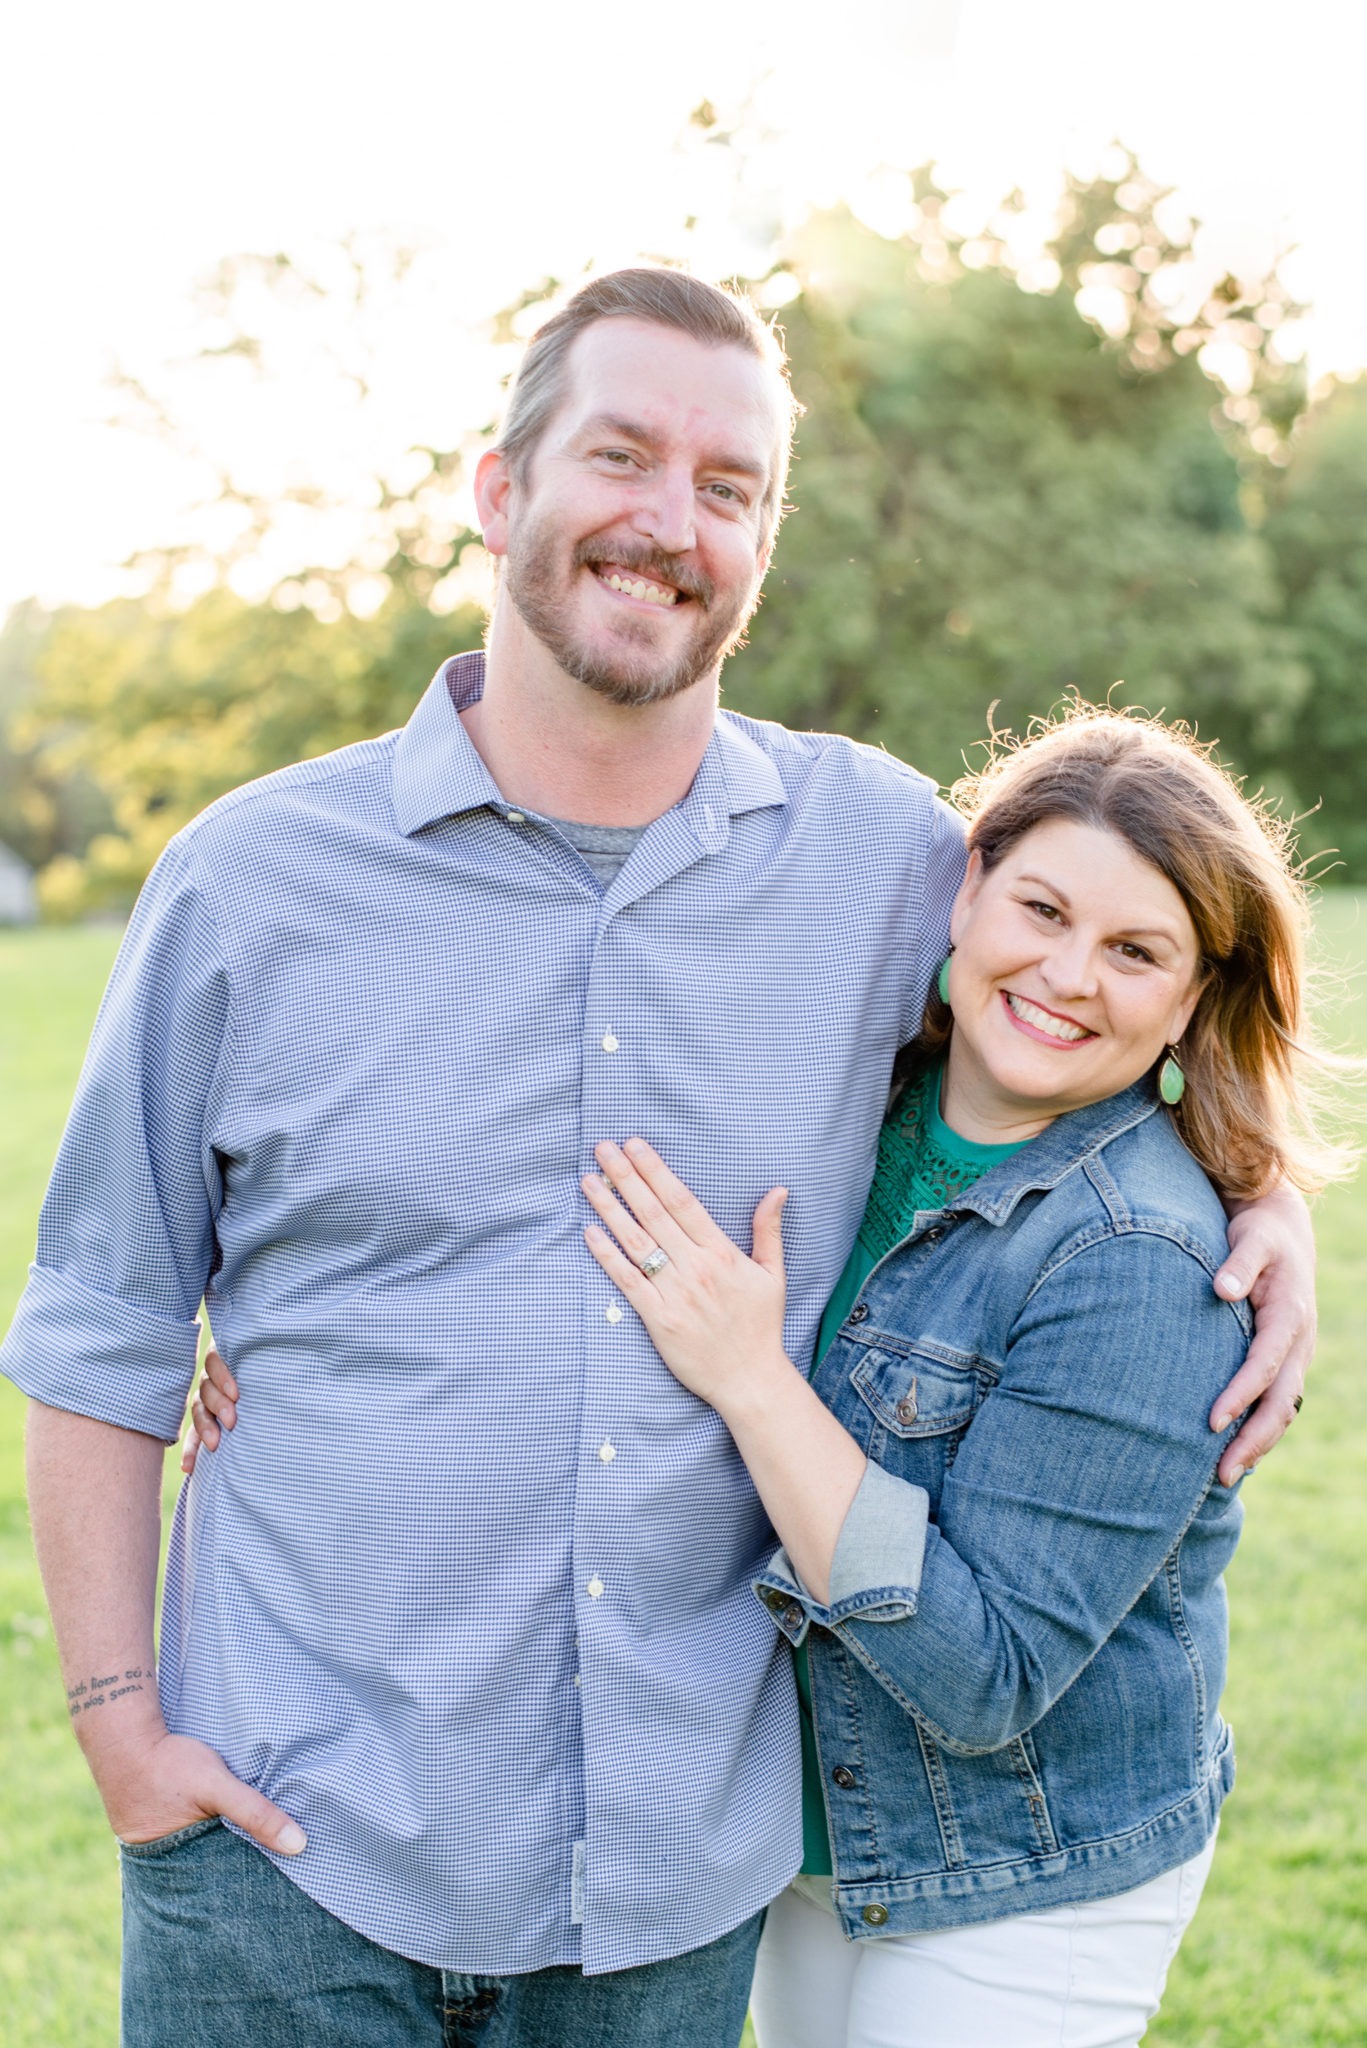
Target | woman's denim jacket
(1016,1680)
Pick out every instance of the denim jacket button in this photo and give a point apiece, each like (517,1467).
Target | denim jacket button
(906,1408)
(792,1615)
(934,1236)
(844,1777)
(874,1916)
(859,1312)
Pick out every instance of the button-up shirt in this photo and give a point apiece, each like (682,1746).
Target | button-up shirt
(466,1591)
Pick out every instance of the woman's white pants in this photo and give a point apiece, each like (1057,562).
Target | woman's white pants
(1072,1977)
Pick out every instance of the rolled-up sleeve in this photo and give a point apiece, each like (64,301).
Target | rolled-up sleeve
(108,1324)
(876,1570)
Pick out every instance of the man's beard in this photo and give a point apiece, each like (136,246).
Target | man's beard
(621,675)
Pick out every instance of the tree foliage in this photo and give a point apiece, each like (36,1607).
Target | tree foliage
(167,710)
(1011,482)
(1317,533)
(996,505)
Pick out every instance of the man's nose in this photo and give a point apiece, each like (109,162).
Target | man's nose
(666,511)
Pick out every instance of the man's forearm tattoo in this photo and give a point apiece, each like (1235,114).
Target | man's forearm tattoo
(95,1690)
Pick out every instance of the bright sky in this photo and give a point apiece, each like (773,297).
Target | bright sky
(140,144)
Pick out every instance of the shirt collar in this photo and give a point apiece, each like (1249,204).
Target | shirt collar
(1067,1142)
(438,772)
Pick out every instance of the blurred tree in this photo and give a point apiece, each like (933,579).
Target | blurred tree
(160,704)
(331,533)
(166,710)
(1000,501)
(47,810)
(1016,477)
(1317,532)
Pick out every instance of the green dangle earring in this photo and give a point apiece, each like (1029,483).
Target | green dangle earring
(1172,1082)
(942,979)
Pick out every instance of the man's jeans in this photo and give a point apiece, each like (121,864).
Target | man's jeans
(221,1951)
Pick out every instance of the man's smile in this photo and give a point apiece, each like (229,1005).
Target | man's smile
(643,589)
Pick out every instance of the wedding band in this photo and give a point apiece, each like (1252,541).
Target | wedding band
(654,1262)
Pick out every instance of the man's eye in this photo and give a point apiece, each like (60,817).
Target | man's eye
(727,492)
(618,456)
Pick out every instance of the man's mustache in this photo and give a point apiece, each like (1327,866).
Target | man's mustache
(649,563)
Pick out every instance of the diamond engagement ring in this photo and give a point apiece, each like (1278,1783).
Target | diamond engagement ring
(654,1262)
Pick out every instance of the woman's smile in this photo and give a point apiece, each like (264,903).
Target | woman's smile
(1046,1025)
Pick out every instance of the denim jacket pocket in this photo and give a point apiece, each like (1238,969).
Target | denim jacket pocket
(919,1391)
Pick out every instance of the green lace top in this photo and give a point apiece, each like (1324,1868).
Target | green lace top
(922,1164)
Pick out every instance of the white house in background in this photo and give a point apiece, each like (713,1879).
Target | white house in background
(18,897)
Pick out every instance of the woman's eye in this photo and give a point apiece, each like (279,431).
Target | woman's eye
(617,456)
(1049,910)
(1133,952)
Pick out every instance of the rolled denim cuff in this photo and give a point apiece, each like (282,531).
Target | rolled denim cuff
(881,1548)
(883,1532)
(780,1590)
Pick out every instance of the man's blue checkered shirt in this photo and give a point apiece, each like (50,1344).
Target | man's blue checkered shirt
(467,1591)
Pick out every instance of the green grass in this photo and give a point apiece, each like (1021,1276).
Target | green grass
(59,1878)
(1278,1954)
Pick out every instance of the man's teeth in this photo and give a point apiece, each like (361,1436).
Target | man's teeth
(1057,1027)
(652,593)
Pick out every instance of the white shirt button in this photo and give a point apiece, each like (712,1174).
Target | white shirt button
(613,1313)
(577,1679)
(595,1588)
(607,1452)
(516,817)
(609,1042)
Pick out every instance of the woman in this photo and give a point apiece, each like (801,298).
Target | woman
(1002,1534)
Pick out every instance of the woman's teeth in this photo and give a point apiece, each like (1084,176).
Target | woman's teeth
(650,593)
(1056,1027)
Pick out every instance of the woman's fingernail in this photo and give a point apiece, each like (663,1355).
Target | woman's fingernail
(1222,1421)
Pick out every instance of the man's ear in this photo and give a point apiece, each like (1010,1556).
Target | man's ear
(967,896)
(493,489)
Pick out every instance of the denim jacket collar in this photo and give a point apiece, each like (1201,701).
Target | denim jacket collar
(1067,1142)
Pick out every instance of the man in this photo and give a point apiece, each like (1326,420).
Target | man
(458,1627)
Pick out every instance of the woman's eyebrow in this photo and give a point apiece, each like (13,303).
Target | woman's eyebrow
(1043,882)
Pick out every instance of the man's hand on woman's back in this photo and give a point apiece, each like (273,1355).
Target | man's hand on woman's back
(1271,1265)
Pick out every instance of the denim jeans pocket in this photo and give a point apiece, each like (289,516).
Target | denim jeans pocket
(161,1845)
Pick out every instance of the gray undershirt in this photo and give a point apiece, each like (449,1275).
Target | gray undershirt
(604,847)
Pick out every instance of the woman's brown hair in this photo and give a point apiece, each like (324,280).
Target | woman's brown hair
(1247,1113)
